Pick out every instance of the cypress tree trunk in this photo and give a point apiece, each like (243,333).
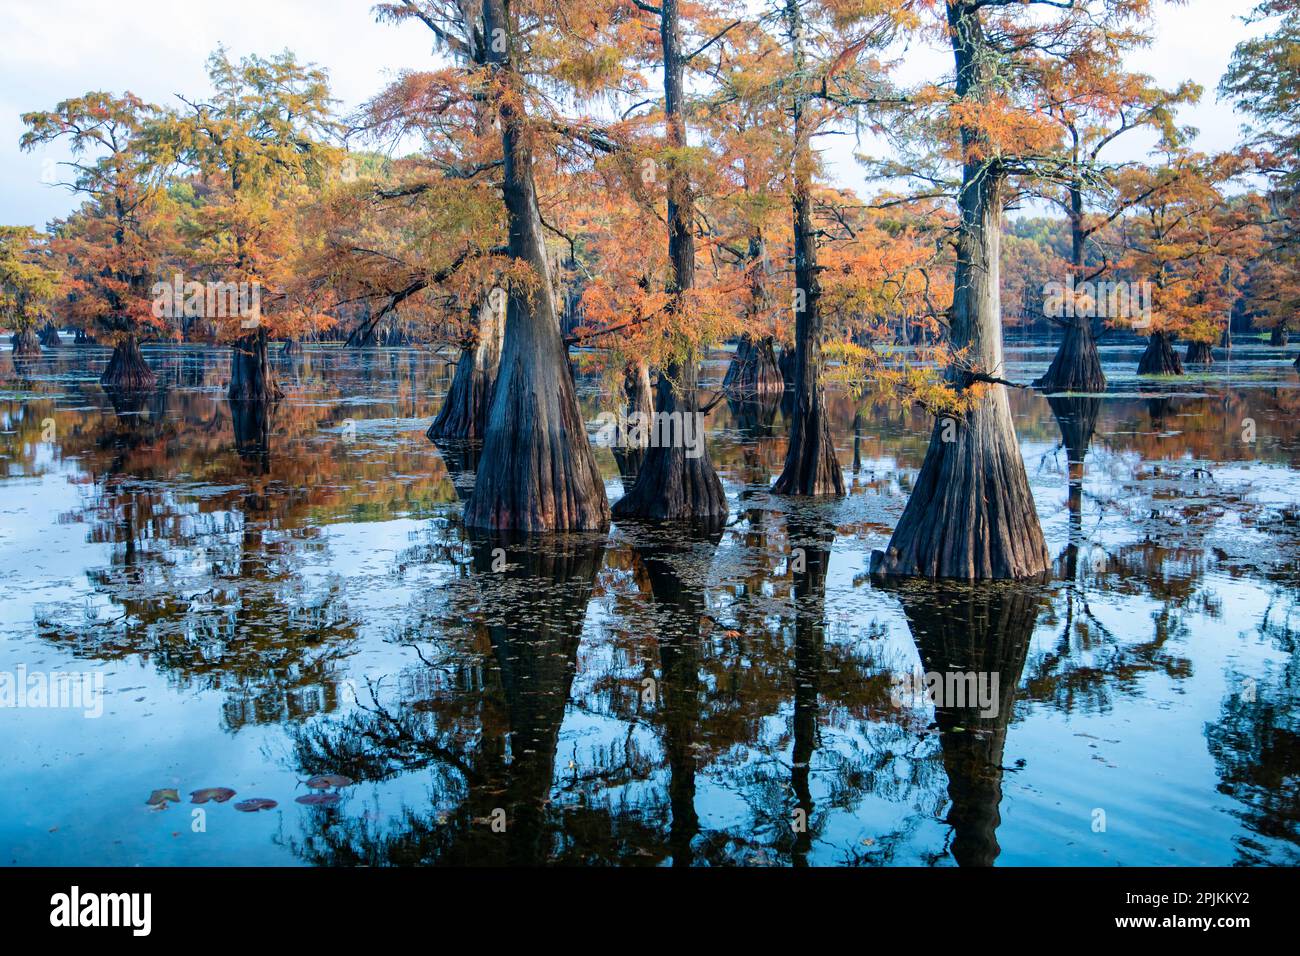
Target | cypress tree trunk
(127,370)
(463,416)
(1077,364)
(971,514)
(1160,357)
(1199,353)
(672,484)
(537,472)
(1280,336)
(639,402)
(811,467)
(787,363)
(251,378)
(50,336)
(26,344)
(753,371)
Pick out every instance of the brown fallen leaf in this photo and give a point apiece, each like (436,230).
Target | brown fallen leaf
(160,798)
(254,804)
(216,794)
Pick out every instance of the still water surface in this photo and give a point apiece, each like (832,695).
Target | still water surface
(268,600)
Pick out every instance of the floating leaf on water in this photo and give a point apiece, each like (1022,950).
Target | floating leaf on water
(326,780)
(160,798)
(216,794)
(255,804)
(319,799)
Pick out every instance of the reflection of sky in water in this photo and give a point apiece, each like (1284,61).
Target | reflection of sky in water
(255,613)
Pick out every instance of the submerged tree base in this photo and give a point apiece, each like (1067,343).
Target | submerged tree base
(811,468)
(971,515)
(1077,365)
(25,344)
(50,337)
(1160,357)
(463,416)
(251,379)
(1199,353)
(127,370)
(754,371)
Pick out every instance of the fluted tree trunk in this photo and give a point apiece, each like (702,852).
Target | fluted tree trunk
(537,471)
(127,370)
(676,482)
(1160,357)
(1076,367)
(464,412)
(630,450)
(1199,353)
(971,514)
(753,371)
(25,343)
(811,467)
(251,377)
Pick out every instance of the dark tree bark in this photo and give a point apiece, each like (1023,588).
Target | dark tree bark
(971,515)
(811,467)
(50,336)
(1199,353)
(251,377)
(1160,357)
(1077,364)
(464,412)
(639,401)
(1280,336)
(787,362)
(127,370)
(672,484)
(753,371)
(26,344)
(537,472)
(984,629)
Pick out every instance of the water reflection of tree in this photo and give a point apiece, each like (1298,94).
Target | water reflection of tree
(1255,744)
(984,629)
(490,742)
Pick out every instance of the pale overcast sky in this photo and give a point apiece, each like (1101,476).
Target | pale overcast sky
(55,49)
